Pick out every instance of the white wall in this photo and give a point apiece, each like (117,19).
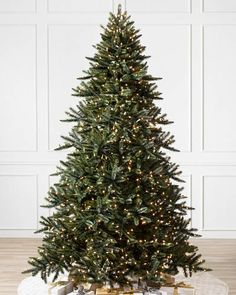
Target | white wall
(43,44)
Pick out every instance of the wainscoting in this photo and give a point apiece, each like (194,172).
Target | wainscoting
(192,44)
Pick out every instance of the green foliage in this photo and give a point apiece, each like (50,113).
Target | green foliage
(118,212)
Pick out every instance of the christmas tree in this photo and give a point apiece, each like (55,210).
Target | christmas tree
(118,210)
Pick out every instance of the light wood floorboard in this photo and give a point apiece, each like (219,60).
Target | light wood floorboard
(220,256)
(13,260)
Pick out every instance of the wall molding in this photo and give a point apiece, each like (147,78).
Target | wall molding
(152,11)
(110,6)
(216,11)
(35,90)
(204,228)
(35,176)
(203,148)
(20,11)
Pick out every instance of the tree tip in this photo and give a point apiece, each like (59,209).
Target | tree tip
(119,8)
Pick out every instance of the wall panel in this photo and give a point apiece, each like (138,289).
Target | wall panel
(157,6)
(94,6)
(219,5)
(174,66)
(17,6)
(219,65)
(219,201)
(19,202)
(18,88)
(76,40)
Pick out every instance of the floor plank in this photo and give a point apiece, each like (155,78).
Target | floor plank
(219,254)
(14,253)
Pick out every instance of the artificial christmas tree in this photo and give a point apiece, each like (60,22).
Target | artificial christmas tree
(119,214)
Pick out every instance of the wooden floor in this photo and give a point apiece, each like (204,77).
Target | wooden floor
(220,256)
